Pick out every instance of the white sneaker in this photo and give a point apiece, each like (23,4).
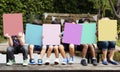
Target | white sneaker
(71,60)
(47,62)
(65,61)
(56,61)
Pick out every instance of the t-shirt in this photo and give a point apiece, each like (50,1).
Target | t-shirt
(16,42)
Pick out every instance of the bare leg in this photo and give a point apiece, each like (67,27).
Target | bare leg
(48,55)
(72,50)
(56,51)
(31,50)
(43,52)
(92,50)
(62,51)
(56,61)
(84,50)
(104,55)
(49,51)
(111,54)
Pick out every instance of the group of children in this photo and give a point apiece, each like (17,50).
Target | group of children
(17,44)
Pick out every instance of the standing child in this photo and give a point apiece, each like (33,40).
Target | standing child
(106,46)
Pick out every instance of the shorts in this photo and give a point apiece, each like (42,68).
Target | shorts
(80,48)
(37,48)
(66,46)
(106,45)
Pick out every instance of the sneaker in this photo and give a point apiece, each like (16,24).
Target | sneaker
(32,61)
(56,61)
(113,62)
(84,62)
(105,62)
(65,61)
(71,60)
(10,62)
(40,62)
(47,62)
(25,62)
(94,62)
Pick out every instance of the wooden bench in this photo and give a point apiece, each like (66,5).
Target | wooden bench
(3,48)
(98,53)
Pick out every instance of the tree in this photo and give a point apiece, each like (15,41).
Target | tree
(117,9)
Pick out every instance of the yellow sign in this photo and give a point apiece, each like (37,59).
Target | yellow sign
(107,30)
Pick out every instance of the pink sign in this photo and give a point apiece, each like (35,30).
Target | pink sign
(12,23)
(72,33)
(51,34)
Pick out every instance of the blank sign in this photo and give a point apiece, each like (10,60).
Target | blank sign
(72,33)
(12,23)
(51,34)
(33,34)
(88,33)
(107,30)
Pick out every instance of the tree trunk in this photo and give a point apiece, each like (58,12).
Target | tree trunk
(117,10)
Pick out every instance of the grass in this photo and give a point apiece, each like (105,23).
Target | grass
(118,42)
(117,56)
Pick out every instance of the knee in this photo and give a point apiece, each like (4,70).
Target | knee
(31,47)
(71,46)
(50,48)
(9,49)
(85,46)
(61,47)
(55,48)
(44,48)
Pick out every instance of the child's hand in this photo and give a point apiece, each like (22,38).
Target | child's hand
(116,37)
(42,37)
(20,34)
(60,35)
(7,35)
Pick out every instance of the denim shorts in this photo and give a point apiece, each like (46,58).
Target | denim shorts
(37,48)
(106,45)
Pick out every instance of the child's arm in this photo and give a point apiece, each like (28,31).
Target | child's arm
(21,38)
(10,41)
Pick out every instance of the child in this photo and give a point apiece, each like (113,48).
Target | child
(85,49)
(62,51)
(105,46)
(16,44)
(49,51)
(67,47)
(36,48)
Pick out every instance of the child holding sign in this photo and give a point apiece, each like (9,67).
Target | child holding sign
(105,46)
(16,45)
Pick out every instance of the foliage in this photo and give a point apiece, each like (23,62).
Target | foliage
(34,9)
(73,6)
(29,8)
